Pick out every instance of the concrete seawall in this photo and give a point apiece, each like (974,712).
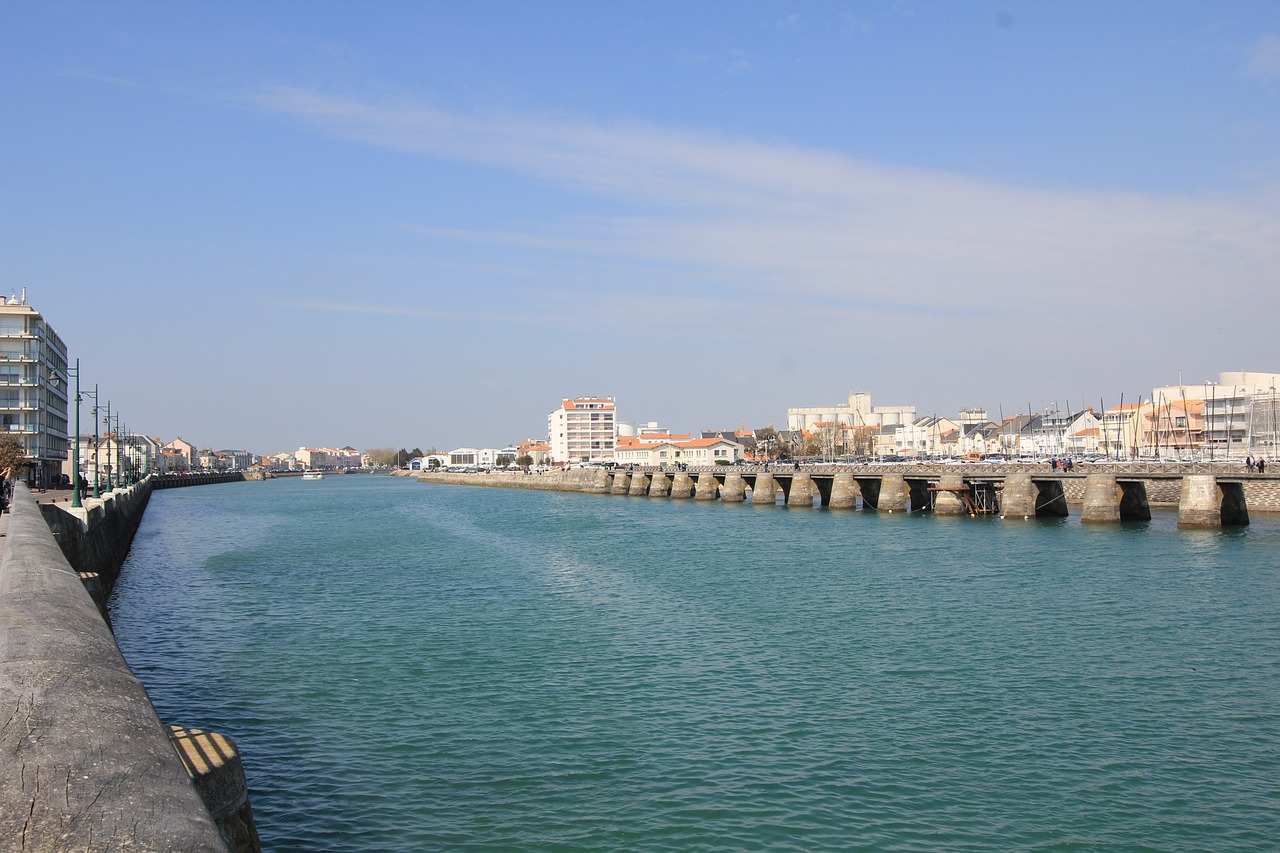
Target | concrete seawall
(588,480)
(96,537)
(84,760)
(86,764)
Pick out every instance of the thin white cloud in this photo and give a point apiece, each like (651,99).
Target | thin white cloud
(723,211)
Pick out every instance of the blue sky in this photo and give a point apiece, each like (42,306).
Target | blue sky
(265,225)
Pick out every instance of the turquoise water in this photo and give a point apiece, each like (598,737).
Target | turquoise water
(415,667)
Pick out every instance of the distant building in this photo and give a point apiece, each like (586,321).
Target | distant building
(858,412)
(695,451)
(583,429)
(186,448)
(34,392)
(538,451)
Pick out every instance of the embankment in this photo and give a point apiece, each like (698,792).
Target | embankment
(589,480)
(85,763)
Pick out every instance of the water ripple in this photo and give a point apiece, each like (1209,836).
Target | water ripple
(410,668)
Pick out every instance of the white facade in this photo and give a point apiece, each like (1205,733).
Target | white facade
(34,393)
(698,451)
(858,412)
(583,429)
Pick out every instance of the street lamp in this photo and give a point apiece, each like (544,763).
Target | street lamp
(96,444)
(106,423)
(75,460)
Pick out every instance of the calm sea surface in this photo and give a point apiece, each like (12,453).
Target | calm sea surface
(413,667)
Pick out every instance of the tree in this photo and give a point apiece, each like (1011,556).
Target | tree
(766,441)
(12,455)
(504,460)
(524,461)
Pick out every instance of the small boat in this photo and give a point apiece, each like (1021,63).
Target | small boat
(312,475)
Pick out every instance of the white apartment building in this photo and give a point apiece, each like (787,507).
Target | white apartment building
(583,429)
(1240,411)
(34,391)
(858,412)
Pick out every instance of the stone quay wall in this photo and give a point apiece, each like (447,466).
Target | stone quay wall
(87,764)
(84,761)
(589,480)
(96,537)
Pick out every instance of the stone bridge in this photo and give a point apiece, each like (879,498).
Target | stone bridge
(1206,494)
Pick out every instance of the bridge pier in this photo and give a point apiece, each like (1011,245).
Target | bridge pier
(707,488)
(948,498)
(844,492)
(639,485)
(893,494)
(682,486)
(1204,502)
(621,483)
(765,490)
(734,489)
(1101,499)
(660,486)
(801,492)
(1018,497)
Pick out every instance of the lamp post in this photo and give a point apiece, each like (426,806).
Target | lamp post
(96,467)
(106,424)
(75,460)
(116,464)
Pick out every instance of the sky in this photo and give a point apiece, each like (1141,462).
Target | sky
(269,225)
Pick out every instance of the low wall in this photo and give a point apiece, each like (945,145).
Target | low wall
(589,480)
(84,761)
(96,537)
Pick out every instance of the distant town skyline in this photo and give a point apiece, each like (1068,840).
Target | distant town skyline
(388,224)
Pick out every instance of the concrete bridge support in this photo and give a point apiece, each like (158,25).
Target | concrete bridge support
(660,486)
(708,488)
(1204,502)
(682,486)
(893,494)
(1101,499)
(844,492)
(621,483)
(639,485)
(802,491)
(1018,498)
(765,490)
(734,489)
(948,499)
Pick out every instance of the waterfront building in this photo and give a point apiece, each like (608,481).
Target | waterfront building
(327,458)
(464,456)
(187,449)
(1172,430)
(583,429)
(694,451)
(173,462)
(536,450)
(928,436)
(857,412)
(34,393)
(1120,431)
